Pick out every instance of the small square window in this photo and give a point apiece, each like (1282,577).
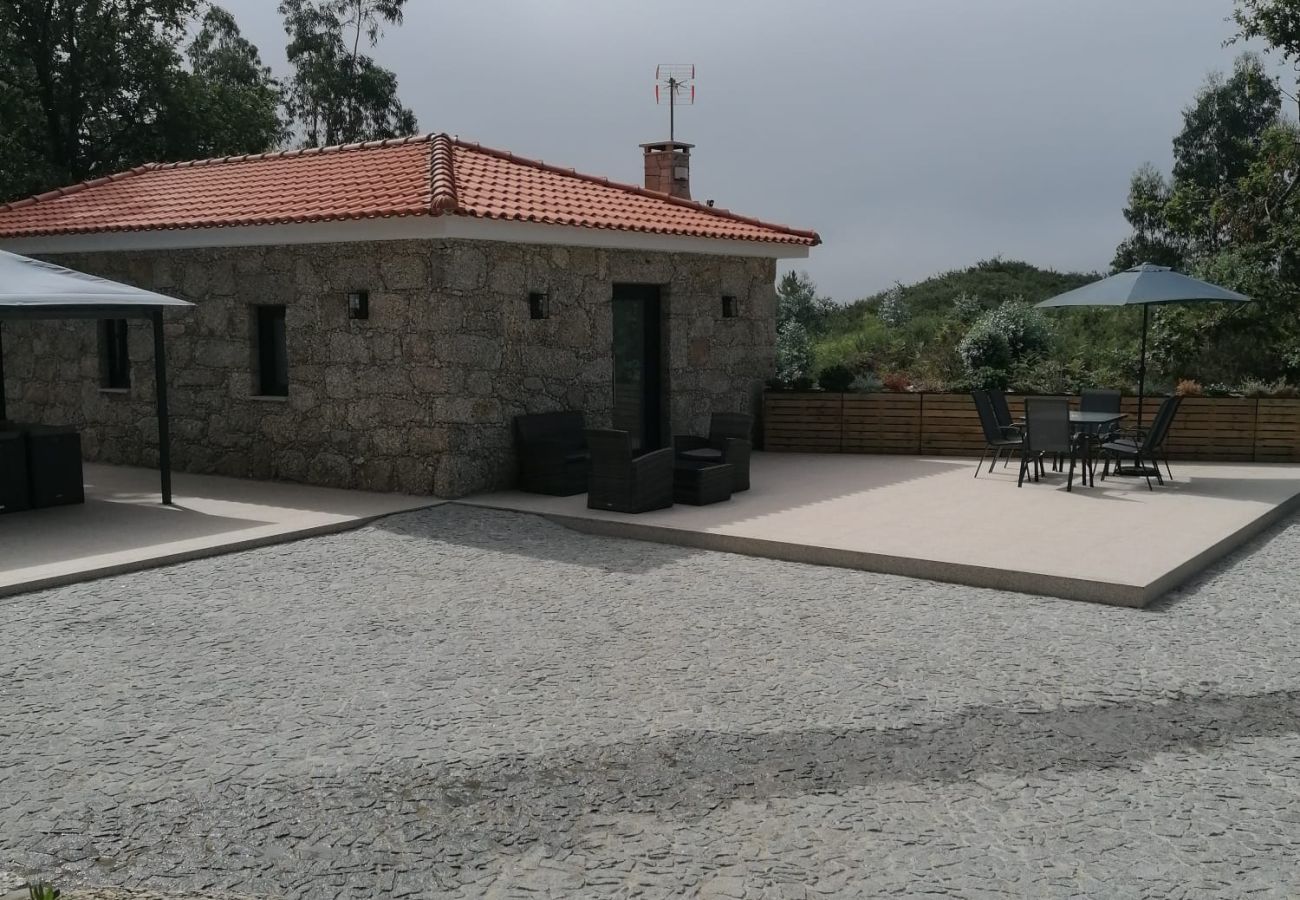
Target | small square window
(539,305)
(114,358)
(729,307)
(272,352)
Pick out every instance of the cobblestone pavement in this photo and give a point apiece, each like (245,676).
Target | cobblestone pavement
(459,702)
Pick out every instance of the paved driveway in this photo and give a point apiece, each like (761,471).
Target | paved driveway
(466,703)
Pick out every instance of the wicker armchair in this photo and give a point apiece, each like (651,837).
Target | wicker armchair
(728,442)
(553,456)
(623,482)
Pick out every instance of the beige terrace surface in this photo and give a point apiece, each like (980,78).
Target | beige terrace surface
(123,527)
(1115,543)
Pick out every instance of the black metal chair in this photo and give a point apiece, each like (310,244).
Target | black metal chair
(729,442)
(1003,412)
(1098,400)
(1048,430)
(623,482)
(1143,445)
(995,438)
(552,450)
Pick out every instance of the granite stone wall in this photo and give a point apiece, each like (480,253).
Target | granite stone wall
(418,397)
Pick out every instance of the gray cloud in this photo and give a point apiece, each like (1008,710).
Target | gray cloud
(914,136)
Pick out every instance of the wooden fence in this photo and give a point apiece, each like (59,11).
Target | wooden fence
(1214,428)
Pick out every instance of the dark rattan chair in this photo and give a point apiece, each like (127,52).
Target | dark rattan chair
(729,442)
(1048,430)
(995,438)
(626,483)
(1144,445)
(552,449)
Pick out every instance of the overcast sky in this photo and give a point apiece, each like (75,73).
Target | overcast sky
(915,136)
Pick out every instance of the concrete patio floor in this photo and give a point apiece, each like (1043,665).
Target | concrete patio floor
(1115,543)
(123,527)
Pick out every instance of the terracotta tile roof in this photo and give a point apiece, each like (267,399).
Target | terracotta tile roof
(426,175)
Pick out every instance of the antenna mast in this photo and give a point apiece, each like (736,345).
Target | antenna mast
(677,80)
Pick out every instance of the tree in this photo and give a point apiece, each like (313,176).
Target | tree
(1221,135)
(231,102)
(1230,215)
(91,87)
(794,353)
(797,301)
(1152,240)
(1277,22)
(94,76)
(893,309)
(338,94)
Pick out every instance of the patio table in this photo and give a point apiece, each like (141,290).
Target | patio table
(1089,425)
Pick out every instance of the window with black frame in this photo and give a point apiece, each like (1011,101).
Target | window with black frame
(114,355)
(272,352)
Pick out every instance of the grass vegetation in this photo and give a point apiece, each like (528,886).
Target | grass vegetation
(912,336)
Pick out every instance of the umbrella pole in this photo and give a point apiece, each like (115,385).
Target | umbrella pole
(1142,365)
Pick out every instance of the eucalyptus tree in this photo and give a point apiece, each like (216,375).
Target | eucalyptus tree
(337,93)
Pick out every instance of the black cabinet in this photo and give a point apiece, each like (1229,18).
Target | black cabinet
(14,494)
(54,466)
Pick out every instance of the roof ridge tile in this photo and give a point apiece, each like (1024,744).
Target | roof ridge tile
(442,176)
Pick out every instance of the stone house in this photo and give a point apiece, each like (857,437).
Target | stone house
(373,316)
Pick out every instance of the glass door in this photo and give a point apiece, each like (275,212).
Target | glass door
(638,387)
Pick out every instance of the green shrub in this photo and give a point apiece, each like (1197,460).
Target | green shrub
(42,890)
(835,379)
(1001,339)
(1254,387)
(866,383)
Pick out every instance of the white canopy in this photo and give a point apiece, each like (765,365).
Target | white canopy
(33,286)
(32,289)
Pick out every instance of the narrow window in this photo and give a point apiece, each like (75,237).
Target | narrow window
(539,306)
(114,360)
(272,352)
(728,307)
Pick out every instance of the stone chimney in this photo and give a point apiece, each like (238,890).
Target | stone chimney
(668,168)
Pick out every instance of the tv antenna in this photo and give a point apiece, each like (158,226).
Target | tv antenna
(677,80)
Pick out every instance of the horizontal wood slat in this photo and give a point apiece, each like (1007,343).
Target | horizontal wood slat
(804,423)
(1209,428)
(1277,431)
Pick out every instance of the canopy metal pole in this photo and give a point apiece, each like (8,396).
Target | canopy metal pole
(1142,366)
(160,390)
(3,414)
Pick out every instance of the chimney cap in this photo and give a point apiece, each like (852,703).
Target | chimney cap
(667,145)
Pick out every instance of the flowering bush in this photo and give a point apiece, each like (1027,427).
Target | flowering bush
(1001,339)
(896,381)
(794,353)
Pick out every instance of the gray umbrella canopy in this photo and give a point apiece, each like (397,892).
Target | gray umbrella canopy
(1144,286)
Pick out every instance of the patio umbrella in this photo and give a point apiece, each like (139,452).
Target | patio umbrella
(1145,285)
